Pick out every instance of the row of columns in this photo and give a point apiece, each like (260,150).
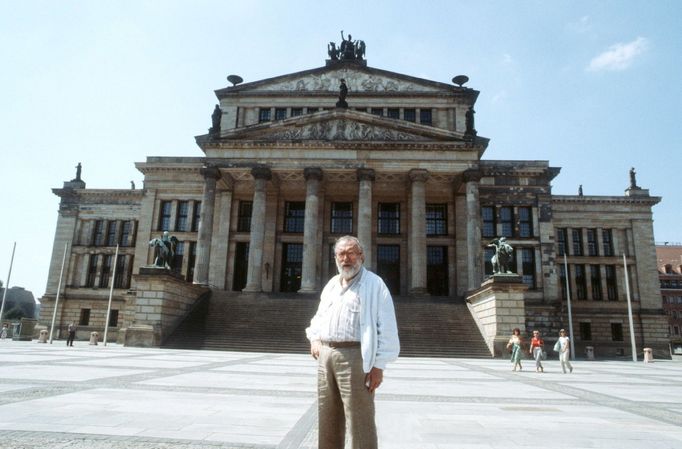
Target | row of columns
(313,177)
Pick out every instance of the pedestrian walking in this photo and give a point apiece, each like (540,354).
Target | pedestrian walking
(514,346)
(72,334)
(537,351)
(563,347)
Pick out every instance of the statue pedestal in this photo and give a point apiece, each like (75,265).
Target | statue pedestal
(498,307)
(162,300)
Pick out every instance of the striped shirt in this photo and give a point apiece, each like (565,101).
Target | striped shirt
(340,321)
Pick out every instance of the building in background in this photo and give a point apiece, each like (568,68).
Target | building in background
(293,162)
(670,274)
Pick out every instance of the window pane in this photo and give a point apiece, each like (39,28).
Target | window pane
(489,225)
(294,216)
(507,221)
(393,113)
(410,115)
(244,218)
(280,113)
(389,218)
(182,219)
(425,117)
(263,115)
(342,218)
(436,219)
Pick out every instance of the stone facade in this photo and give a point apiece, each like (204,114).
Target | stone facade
(287,173)
(669,263)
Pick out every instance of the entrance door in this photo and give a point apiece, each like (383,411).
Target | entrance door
(292,265)
(388,266)
(437,270)
(241,266)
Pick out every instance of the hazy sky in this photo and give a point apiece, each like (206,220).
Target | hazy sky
(594,87)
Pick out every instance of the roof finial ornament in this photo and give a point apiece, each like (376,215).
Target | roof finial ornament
(349,50)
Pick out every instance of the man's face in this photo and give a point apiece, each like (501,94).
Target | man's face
(349,259)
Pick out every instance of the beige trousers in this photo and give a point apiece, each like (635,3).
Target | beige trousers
(344,400)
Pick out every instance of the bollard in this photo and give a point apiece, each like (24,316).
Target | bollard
(94,336)
(43,336)
(648,355)
(589,352)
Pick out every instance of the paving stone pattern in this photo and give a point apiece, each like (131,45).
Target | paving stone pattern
(98,397)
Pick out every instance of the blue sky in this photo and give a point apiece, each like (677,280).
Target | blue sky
(593,87)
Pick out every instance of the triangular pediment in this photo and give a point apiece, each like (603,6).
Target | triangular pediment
(358,78)
(341,125)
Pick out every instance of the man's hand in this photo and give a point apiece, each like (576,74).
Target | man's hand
(315,349)
(373,379)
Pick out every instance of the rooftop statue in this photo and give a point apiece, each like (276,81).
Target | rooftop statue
(633,179)
(215,121)
(343,92)
(79,168)
(503,256)
(349,50)
(164,250)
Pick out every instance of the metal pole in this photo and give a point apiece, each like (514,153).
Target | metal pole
(632,326)
(570,314)
(59,288)
(4,293)
(111,293)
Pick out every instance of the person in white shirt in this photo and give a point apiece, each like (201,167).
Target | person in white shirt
(353,336)
(564,351)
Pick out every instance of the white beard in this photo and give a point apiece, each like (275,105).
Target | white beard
(348,273)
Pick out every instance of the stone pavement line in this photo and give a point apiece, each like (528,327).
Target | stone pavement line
(302,430)
(648,409)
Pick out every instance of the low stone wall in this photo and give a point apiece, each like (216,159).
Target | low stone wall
(498,307)
(162,301)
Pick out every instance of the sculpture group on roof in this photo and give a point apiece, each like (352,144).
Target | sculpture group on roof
(349,50)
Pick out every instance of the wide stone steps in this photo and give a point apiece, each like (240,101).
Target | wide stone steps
(276,323)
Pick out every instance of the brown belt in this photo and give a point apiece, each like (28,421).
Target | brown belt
(342,344)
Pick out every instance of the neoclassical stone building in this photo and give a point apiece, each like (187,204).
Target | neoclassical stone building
(293,162)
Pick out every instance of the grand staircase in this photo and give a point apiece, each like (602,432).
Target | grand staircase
(432,327)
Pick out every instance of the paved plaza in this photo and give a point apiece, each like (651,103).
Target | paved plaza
(93,397)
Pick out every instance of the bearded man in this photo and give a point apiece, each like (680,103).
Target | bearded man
(353,336)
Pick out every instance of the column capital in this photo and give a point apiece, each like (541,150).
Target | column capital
(210,172)
(418,175)
(261,172)
(312,173)
(471,175)
(365,174)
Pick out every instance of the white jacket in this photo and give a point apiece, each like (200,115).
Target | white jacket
(379,331)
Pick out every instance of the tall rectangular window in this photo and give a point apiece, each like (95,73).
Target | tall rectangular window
(165,215)
(197,216)
(111,233)
(84,319)
(389,219)
(92,271)
(580,282)
(611,289)
(562,241)
(106,271)
(121,272)
(126,229)
(595,280)
(489,225)
(177,258)
(113,318)
(436,219)
(98,233)
(528,266)
(393,113)
(592,245)
(410,114)
(578,242)
(244,216)
(425,117)
(280,113)
(342,218)
(607,242)
(263,115)
(292,266)
(191,261)
(507,221)
(182,218)
(586,331)
(437,270)
(241,263)
(488,254)
(294,216)
(562,281)
(525,222)
(616,331)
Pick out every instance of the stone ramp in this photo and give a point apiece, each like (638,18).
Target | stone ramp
(430,327)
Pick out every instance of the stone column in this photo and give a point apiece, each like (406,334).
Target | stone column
(365,178)
(211,176)
(261,176)
(473,230)
(418,231)
(313,176)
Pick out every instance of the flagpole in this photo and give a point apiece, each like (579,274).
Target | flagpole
(570,314)
(632,326)
(4,294)
(111,294)
(59,288)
